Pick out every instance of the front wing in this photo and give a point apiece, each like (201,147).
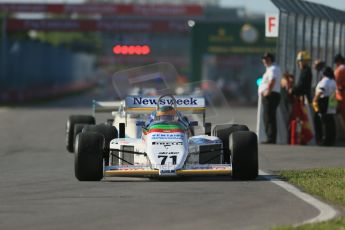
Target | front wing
(192,170)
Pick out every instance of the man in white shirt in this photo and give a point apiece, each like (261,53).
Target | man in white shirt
(325,106)
(270,92)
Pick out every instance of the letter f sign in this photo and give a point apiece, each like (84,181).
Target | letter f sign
(272,25)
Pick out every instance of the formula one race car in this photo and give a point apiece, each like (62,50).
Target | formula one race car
(163,145)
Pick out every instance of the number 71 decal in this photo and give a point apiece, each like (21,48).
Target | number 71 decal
(164,158)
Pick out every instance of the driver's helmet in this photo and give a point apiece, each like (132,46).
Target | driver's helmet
(166,113)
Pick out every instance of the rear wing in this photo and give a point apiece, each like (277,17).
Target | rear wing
(106,106)
(148,104)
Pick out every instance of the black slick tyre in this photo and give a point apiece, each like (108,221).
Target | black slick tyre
(71,122)
(88,161)
(109,133)
(223,132)
(78,128)
(244,155)
(109,121)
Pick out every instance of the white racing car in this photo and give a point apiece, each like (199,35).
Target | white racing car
(152,137)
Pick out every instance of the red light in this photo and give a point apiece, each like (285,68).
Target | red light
(145,50)
(117,49)
(124,50)
(137,50)
(131,50)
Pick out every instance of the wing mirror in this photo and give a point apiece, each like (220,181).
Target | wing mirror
(193,123)
(140,123)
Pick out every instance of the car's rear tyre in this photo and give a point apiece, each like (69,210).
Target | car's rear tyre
(78,128)
(244,155)
(71,122)
(110,121)
(109,133)
(223,132)
(88,161)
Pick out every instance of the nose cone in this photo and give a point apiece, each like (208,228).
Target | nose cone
(167,147)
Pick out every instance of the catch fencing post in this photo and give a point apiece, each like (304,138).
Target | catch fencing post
(3,50)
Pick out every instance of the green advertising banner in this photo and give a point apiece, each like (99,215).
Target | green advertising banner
(227,38)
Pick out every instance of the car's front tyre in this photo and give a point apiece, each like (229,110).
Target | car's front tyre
(109,133)
(223,132)
(244,155)
(88,161)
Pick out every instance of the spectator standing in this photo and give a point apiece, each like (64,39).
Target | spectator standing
(303,86)
(325,104)
(270,92)
(339,74)
(286,83)
(319,66)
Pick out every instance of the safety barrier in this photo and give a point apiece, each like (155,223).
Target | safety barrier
(34,70)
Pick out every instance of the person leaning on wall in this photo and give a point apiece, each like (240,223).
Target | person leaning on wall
(325,105)
(303,86)
(270,92)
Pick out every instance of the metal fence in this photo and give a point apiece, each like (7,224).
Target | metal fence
(316,28)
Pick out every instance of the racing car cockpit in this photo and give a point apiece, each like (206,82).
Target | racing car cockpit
(166,113)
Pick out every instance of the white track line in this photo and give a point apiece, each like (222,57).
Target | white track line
(326,212)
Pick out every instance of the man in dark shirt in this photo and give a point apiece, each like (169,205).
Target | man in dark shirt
(303,86)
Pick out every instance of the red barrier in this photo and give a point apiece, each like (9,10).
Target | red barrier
(134,26)
(148,10)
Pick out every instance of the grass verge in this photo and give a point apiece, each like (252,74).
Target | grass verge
(335,224)
(329,184)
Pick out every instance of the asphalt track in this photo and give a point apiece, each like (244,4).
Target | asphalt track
(38,189)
